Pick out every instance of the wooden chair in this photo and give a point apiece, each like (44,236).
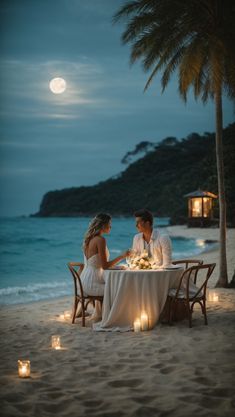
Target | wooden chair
(79,295)
(183,295)
(187,263)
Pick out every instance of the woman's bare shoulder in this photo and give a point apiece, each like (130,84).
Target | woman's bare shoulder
(98,239)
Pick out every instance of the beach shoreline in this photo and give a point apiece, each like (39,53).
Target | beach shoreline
(209,255)
(169,371)
(212,255)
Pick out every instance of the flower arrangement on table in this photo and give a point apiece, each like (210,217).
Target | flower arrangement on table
(142,261)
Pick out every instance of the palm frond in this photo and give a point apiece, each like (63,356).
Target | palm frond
(133,7)
(171,67)
(188,36)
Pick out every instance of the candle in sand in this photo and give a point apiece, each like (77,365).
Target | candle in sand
(24,369)
(213,296)
(137,325)
(144,321)
(67,314)
(55,342)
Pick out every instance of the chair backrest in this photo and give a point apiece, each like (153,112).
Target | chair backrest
(187,263)
(187,274)
(76,276)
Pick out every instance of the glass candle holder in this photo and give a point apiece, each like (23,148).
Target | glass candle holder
(151,322)
(24,369)
(67,315)
(144,321)
(55,342)
(213,296)
(137,325)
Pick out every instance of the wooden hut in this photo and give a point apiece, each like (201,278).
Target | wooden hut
(200,208)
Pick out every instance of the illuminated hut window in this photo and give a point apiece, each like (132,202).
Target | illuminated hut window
(207,207)
(195,207)
(200,205)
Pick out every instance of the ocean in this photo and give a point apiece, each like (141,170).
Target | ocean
(34,253)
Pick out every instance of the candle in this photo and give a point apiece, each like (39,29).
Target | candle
(55,342)
(151,322)
(144,321)
(67,314)
(213,296)
(137,325)
(24,369)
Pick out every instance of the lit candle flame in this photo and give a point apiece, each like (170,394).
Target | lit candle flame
(24,369)
(144,321)
(137,325)
(55,342)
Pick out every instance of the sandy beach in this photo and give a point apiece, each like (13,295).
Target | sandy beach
(169,371)
(211,256)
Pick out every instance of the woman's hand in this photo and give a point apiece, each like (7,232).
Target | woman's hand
(127,253)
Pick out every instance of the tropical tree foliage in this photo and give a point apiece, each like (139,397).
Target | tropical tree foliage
(161,178)
(196,38)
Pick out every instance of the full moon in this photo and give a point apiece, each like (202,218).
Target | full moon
(57,85)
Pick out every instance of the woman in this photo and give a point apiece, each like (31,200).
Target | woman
(96,258)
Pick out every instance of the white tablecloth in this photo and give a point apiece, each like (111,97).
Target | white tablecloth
(129,293)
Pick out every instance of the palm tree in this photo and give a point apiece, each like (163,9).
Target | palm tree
(197,38)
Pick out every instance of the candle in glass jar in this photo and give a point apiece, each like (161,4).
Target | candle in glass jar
(55,342)
(213,296)
(144,321)
(24,369)
(137,325)
(67,315)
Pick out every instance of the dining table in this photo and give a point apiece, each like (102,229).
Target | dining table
(129,293)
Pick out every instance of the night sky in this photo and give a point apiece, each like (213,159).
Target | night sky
(53,141)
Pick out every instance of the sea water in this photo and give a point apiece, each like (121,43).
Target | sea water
(34,253)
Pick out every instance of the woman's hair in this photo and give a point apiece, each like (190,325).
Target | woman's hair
(95,226)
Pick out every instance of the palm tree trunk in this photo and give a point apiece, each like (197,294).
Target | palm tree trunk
(232,282)
(223,276)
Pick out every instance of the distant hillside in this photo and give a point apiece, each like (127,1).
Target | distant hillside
(157,181)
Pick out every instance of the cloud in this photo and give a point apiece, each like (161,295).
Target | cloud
(90,90)
(15,172)
(77,138)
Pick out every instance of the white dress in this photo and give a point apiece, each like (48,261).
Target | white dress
(92,275)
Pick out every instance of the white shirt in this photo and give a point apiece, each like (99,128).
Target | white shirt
(159,247)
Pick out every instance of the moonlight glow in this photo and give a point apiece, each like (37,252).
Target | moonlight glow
(57,85)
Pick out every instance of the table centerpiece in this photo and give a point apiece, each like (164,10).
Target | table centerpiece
(142,261)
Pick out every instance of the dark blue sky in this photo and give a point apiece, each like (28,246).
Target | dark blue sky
(77,138)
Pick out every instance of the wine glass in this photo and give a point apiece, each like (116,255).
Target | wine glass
(152,262)
(130,257)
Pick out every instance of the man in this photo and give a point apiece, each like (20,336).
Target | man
(157,245)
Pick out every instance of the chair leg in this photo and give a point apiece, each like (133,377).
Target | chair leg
(189,315)
(83,313)
(74,310)
(204,313)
